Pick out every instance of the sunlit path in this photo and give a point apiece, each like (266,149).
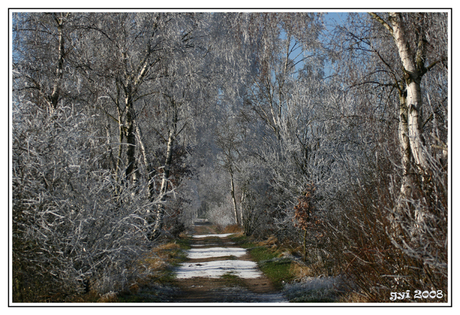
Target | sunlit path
(218,271)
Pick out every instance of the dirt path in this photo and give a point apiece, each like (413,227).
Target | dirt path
(219,271)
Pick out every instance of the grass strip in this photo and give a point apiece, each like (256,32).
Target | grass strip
(276,268)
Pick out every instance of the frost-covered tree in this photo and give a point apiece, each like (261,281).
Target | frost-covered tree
(388,191)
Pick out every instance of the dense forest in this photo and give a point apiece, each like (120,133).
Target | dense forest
(325,130)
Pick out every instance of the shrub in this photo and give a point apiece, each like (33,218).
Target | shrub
(384,244)
(75,227)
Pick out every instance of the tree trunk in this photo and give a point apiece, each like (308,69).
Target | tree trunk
(414,70)
(120,144)
(54,97)
(232,191)
(163,189)
(148,171)
(404,143)
(415,137)
(305,245)
(131,170)
(164,182)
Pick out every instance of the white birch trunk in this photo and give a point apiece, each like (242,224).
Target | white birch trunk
(404,143)
(163,189)
(413,120)
(414,98)
(54,97)
(164,182)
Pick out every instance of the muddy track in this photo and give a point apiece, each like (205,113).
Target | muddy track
(206,279)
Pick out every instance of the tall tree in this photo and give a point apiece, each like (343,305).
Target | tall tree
(42,53)
(411,34)
(183,93)
(128,52)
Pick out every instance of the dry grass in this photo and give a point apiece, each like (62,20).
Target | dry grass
(166,247)
(154,263)
(158,258)
(134,288)
(314,289)
(234,228)
(109,297)
(152,270)
(300,271)
(271,242)
(353,297)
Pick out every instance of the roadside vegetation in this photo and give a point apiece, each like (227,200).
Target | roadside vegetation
(160,263)
(281,263)
(284,265)
(155,272)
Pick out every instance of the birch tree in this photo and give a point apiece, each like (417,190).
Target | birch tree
(43,50)
(130,47)
(59,158)
(228,143)
(184,87)
(402,207)
(411,36)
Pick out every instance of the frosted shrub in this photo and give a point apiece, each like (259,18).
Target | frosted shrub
(75,227)
(313,289)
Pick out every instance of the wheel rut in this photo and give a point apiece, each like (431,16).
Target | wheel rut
(218,271)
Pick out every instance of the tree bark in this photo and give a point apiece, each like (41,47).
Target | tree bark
(410,131)
(163,189)
(164,182)
(120,144)
(414,70)
(148,171)
(131,170)
(55,94)
(305,245)
(404,142)
(232,192)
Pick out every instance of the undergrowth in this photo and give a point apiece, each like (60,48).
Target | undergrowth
(299,281)
(157,273)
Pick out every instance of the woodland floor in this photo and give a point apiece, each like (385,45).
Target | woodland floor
(208,277)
